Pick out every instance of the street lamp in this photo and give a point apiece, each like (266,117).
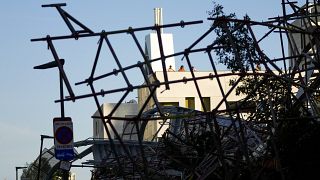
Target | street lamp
(17,168)
(63,78)
(56,63)
(40,155)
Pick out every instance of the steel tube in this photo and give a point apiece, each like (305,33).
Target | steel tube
(119,31)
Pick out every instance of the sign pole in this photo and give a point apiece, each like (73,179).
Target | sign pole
(61,95)
(65,175)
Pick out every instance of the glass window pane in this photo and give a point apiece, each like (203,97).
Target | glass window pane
(169,103)
(190,102)
(206,101)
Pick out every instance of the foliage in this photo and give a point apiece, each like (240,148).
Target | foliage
(291,133)
(238,52)
(32,171)
(269,94)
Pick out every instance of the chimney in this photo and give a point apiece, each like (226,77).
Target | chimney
(158,17)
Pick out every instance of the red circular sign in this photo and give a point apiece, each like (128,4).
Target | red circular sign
(64,135)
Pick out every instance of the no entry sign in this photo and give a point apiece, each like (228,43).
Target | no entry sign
(63,138)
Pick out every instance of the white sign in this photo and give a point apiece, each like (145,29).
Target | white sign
(63,138)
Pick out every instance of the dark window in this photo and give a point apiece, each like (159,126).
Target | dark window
(206,102)
(190,103)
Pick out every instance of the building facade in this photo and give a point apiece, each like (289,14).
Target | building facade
(185,94)
(182,94)
(124,110)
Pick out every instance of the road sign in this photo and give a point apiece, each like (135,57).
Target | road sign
(63,138)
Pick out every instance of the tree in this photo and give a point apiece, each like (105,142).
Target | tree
(291,131)
(32,171)
(238,52)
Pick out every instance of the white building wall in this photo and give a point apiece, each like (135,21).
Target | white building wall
(208,88)
(153,52)
(179,91)
(301,40)
(124,110)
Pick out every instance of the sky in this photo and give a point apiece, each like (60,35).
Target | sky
(27,95)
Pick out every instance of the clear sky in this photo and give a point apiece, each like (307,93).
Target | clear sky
(27,95)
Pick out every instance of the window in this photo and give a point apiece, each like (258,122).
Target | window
(190,103)
(169,103)
(206,102)
(97,130)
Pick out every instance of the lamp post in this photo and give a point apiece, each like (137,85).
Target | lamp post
(17,168)
(40,155)
(56,63)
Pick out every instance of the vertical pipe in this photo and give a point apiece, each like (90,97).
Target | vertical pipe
(61,96)
(155,15)
(282,51)
(65,174)
(40,156)
(16,173)
(160,19)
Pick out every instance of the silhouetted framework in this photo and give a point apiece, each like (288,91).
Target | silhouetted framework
(239,141)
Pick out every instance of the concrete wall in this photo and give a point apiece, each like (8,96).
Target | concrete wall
(153,52)
(208,88)
(179,91)
(124,110)
(301,40)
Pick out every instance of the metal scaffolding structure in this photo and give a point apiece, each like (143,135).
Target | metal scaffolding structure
(241,140)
